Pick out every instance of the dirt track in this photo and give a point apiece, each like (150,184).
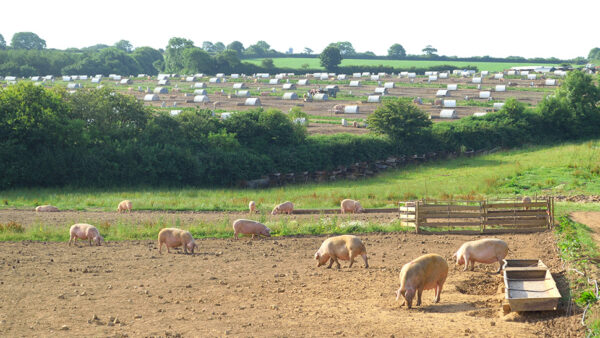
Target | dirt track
(258,288)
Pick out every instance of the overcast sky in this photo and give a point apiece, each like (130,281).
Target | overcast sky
(529,28)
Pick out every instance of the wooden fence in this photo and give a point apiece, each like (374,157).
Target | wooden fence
(479,216)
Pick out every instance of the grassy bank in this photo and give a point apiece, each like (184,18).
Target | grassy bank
(313,63)
(580,252)
(566,169)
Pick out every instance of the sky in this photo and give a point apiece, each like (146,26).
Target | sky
(529,28)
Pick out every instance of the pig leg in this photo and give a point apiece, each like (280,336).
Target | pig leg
(438,291)
(252,236)
(330,263)
(337,263)
(419,293)
(351,259)
(70,240)
(160,247)
(472,264)
(466,259)
(364,257)
(90,241)
(235,235)
(185,248)
(499,262)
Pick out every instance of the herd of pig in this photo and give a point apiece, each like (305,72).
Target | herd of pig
(423,273)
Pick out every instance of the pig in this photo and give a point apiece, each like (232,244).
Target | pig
(173,237)
(46,208)
(345,247)
(252,207)
(285,207)
(424,273)
(487,251)
(124,206)
(526,200)
(351,206)
(249,227)
(85,231)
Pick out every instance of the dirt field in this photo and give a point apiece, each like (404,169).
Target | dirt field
(591,219)
(268,287)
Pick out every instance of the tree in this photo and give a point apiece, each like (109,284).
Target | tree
(227,61)
(396,51)
(174,54)
(399,119)
(267,63)
(27,40)
(330,58)
(145,58)
(2,42)
(124,45)
(196,60)
(345,47)
(236,46)
(208,46)
(584,98)
(219,47)
(263,45)
(429,50)
(308,51)
(593,55)
(513,108)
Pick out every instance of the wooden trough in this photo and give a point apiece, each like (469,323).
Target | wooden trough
(529,286)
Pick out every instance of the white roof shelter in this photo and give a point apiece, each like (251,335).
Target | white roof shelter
(353,109)
(290,96)
(448,114)
(485,95)
(201,99)
(242,93)
(500,88)
(452,87)
(160,90)
(199,85)
(289,86)
(389,85)
(373,98)
(151,97)
(442,92)
(252,101)
(354,83)
(239,85)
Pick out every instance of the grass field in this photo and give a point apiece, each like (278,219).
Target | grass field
(572,168)
(314,63)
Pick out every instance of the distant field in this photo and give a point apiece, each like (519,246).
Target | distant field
(314,63)
(565,169)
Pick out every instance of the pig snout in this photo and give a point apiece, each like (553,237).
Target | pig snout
(408,297)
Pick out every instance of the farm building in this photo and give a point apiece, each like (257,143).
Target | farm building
(524,72)
(201,99)
(125,81)
(498,76)
(162,76)
(452,87)
(366,74)
(354,109)
(381,90)
(498,105)
(389,85)
(83,77)
(382,74)
(225,115)
(303,82)
(443,75)
(484,73)
(191,79)
(324,76)
(273,81)
(96,80)
(65,78)
(50,77)
(500,88)
(550,82)
(356,75)
(403,74)
(432,78)
(373,98)
(35,78)
(411,75)
(160,90)
(235,76)
(531,76)
(164,82)
(200,92)
(341,77)
(320,97)
(242,93)
(252,101)
(289,86)
(374,77)
(175,112)
(290,96)
(354,83)
(448,114)
(239,85)
(511,73)
(199,85)
(485,95)
(214,80)
(220,75)
(479,114)
(449,103)
(74,86)
(151,97)
(476,80)
(442,92)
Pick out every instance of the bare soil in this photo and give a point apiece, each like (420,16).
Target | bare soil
(267,287)
(591,219)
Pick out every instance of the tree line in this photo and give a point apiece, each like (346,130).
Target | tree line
(27,55)
(99,138)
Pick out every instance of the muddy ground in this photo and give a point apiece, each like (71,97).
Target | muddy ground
(268,287)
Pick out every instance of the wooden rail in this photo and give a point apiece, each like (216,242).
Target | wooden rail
(338,211)
(487,216)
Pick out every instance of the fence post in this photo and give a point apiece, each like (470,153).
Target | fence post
(417,216)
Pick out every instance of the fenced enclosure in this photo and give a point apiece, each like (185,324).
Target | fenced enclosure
(479,216)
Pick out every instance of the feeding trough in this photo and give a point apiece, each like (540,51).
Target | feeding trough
(529,286)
